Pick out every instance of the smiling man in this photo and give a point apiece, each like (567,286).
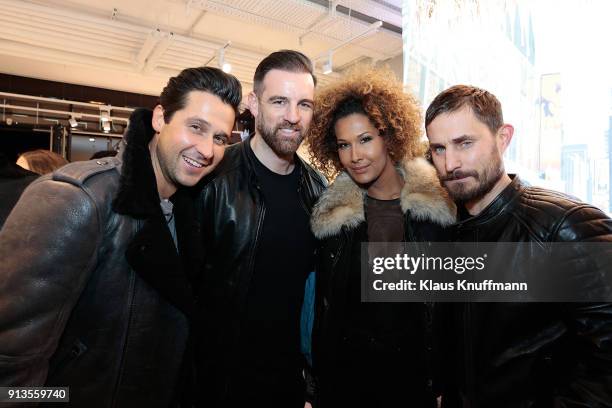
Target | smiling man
(96,257)
(254,211)
(517,354)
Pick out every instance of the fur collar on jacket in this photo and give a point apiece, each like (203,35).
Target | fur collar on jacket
(342,203)
(137,195)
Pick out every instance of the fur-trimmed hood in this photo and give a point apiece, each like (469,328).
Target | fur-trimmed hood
(342,204)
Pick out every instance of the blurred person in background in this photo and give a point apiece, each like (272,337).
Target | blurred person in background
(13,180)
(41,161)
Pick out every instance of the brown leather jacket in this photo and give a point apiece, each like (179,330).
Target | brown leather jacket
(93,293)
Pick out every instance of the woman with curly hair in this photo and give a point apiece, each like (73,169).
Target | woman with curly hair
(366,131)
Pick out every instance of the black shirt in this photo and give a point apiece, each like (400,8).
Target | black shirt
(269,345)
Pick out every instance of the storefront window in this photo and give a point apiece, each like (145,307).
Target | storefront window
(547,61)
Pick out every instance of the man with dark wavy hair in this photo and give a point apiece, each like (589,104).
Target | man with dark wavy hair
(518,354)
(96,257)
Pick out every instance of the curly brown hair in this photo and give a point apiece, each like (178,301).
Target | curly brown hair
(396,115)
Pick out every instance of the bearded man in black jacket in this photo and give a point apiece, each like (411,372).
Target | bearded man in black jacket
(516,354)
(255,211)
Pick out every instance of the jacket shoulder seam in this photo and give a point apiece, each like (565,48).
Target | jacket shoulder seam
(78,173)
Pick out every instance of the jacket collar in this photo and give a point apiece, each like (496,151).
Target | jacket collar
(499,205)
(422,196)
(137,195)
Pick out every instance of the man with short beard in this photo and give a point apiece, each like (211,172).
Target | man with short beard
(516,354)
(254,212)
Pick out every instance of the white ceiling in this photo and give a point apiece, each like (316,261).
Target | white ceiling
(140,45)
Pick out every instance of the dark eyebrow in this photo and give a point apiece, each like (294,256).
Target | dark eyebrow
(277,97)
(462,139)
(205,124)
(435,145)
(339,139)
(284,98)
(198,120)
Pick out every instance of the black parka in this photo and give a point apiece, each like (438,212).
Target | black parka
(339,221)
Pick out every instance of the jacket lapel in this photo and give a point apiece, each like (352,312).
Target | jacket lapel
(153,256)
(152,253)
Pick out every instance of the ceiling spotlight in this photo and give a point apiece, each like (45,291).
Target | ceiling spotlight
(225,66)
(327,65)
(73,122)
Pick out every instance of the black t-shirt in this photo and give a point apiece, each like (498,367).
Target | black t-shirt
(270,335)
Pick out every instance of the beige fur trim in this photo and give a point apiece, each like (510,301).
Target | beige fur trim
(342,203)
(423,195)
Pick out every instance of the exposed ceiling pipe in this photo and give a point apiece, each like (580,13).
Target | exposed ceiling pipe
(331,14)
(216,53)
(371,29)
(65,14)
(181,39)
(69,27)
(193,25)
(152,40)
(61,57)
(363,18)
(57,112)
(159,50)
(54,42)
(8,95)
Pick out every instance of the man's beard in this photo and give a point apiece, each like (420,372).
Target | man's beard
(486,181)
(281,146)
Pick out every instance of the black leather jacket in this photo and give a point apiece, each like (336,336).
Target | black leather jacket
(339,221)
(534,354)
(231,211)
(93,292)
